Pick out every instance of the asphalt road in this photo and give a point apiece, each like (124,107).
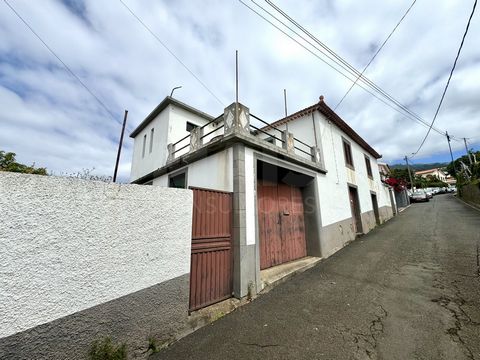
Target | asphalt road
(408,290)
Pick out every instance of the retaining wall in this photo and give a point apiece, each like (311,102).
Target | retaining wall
(83,260)
(470,193)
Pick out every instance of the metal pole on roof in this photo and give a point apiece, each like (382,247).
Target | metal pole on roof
(175,88)
(120,146)
(285,104)
(236,76)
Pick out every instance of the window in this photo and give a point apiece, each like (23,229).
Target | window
(178,180)
(151,140)
(191,126)
(347,149)
(270,140)
(369,167)
(144,145)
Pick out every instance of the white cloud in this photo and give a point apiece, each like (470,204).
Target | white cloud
(48,118)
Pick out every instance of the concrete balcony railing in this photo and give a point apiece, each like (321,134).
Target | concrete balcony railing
(236,121)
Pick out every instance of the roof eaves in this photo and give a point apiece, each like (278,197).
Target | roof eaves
(160,107)
(330,115)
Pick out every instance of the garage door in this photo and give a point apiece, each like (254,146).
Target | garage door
(281,223)
(211,262)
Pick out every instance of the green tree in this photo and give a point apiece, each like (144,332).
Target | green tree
(463,159)
(9,163)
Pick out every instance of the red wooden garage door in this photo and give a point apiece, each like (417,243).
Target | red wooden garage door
(281,223)
(211,262)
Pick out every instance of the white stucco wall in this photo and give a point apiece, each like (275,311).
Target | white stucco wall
(142,165)
(214,172)
(69,244)
(170,127)
(332,187)
(302,129)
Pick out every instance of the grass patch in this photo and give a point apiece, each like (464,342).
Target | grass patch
(106,350)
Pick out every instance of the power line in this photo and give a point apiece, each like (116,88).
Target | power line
(338,61)
(375,55)
(70,71)
(321,59)
(318,57)
(352,69)
(422,122)
(172,53)
(448,81)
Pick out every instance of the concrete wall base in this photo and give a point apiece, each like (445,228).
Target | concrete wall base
(160,312)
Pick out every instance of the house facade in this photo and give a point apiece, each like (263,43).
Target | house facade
(264,193)
(437,172)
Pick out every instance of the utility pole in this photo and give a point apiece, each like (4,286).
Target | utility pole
(466,149)
(451,155)
(120,146)
(409,173)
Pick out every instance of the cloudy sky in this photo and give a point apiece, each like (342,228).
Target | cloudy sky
(49,118)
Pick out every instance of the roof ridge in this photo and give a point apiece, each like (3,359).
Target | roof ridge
(332,116)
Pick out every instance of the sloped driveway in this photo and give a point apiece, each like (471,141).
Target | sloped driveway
(408,290)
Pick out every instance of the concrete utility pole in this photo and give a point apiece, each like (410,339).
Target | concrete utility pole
(409,174)
(451,155)
(468,152)
(120,146)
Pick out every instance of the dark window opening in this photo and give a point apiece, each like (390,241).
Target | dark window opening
(347,149)
(270,140)
(178,181)
(191,126)
(369,167)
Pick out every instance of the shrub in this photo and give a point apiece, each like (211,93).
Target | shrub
(106,350)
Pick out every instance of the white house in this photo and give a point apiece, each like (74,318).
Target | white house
(264,193)
(437,172)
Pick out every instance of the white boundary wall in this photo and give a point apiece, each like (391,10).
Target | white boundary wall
(67,244)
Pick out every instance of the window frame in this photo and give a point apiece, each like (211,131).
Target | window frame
(178,173)
(368,165)
(144,146)
(150,148)
(347,154)
(192,125)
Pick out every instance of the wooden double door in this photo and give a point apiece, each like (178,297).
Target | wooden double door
(281,223)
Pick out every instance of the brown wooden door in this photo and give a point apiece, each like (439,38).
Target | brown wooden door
(281,223)
(211,262)
(355,208)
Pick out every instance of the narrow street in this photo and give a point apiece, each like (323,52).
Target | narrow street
(408,290)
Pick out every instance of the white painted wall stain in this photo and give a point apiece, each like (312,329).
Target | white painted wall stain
(69,244)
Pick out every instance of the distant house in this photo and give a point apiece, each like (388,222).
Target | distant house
(437,172)
(384,170)
(450,180)
(264,193)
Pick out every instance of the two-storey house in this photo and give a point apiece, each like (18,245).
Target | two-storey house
(264,193)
